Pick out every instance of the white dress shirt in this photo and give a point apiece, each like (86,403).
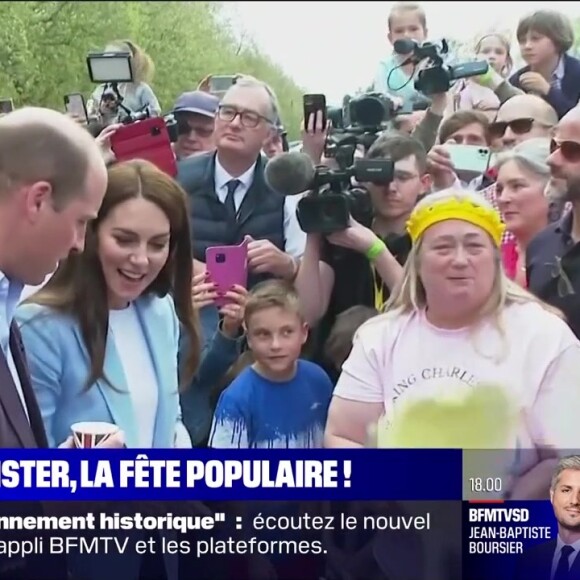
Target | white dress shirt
(9,298)
(294,237)
(557,553)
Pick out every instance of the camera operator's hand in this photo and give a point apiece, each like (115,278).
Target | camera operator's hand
(440,166)
(314,136)
(265,257)
(356,237)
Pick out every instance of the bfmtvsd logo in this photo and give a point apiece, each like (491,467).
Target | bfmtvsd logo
(499,515)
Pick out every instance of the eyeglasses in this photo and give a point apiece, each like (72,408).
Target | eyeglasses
(248,119)
(570,150)
(564,284)
(517,126)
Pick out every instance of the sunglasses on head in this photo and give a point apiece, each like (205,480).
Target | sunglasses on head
(570,150)
(517,126)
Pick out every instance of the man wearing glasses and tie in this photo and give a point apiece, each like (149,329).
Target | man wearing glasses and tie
(553,256)
(229,198)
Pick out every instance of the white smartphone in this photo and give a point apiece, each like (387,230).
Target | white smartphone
(75,105)
(470,160)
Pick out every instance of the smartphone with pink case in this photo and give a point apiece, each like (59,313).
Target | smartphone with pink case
(227,266)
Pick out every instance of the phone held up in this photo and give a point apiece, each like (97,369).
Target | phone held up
(75,105)
(227,266)
(312,104)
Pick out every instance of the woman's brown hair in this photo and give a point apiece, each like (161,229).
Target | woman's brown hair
(78,287)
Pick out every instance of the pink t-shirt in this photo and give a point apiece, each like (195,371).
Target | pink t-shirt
(396,356)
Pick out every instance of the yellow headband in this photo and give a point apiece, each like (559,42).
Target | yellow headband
(456,209)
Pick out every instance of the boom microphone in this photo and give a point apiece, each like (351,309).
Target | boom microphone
(290,173)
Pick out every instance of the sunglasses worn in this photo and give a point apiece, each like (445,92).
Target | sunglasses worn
(570,150)
(517,126)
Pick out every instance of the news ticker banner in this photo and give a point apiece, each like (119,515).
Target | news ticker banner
(440,540)
(209,475)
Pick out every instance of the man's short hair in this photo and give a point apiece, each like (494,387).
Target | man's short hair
(246,81)
(570,462)
(397,146)
(555,25)
(44,145)
(272,294)
(456,121)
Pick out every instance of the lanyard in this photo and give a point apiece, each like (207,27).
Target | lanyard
(378,291)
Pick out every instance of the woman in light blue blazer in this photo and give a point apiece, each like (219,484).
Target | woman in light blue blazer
(102,336)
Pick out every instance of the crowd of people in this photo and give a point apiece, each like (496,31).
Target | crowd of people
(110,314)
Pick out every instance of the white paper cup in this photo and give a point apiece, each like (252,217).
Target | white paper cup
(88,434)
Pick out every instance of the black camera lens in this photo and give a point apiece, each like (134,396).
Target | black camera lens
(220,258)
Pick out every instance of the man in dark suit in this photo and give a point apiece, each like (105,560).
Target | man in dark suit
(558,559)
(52,182)
(229,198)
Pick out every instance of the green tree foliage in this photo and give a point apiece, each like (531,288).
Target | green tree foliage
(43,46)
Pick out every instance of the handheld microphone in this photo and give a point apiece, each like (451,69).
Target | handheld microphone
(290,173)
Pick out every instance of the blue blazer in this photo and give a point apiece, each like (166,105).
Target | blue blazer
(59,367)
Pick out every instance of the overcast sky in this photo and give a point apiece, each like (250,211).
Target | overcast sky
(334,47)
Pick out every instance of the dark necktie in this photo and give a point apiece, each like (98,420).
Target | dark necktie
(563,568)
(230,204)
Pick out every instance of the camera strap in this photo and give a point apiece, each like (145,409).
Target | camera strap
(378,290)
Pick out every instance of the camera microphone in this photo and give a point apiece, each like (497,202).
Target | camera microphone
(290,173)
(404,46)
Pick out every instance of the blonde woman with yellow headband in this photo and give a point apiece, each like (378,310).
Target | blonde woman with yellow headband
(454,324)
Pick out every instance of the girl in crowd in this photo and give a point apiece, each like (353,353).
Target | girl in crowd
(495,48)
(136,96)
(455,323)
(102,336)
(523,175)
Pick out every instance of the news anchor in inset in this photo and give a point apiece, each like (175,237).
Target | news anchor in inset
(558,559)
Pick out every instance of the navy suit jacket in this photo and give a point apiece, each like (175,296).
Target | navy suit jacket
(536,563)
(568,95)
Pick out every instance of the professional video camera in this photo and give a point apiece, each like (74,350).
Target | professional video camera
(358,122)
(437,77)
(141,136)
(332,198)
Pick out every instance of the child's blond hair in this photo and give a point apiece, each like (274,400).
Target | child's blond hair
(399,7)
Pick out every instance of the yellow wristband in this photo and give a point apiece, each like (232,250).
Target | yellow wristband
(376,248)
(486,79)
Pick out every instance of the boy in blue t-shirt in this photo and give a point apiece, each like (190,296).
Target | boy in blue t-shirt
(281,401)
